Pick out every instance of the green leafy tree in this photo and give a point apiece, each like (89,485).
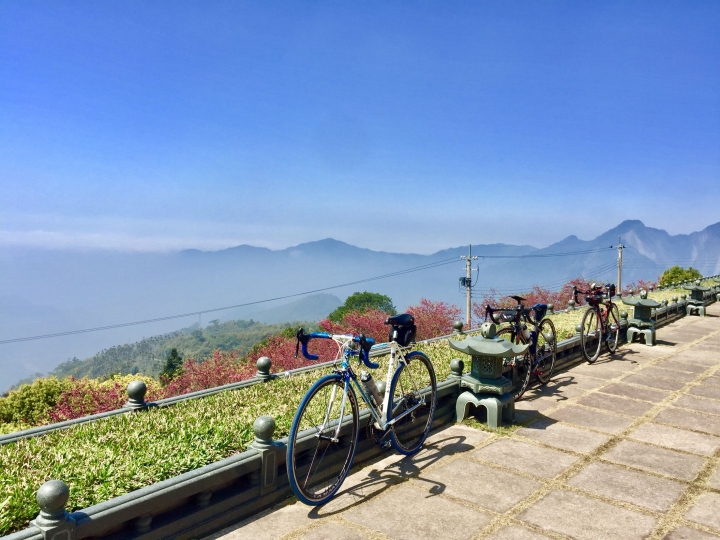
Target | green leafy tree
(362,301)
(173,365)
(677,273)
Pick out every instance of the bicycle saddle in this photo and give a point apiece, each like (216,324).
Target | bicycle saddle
(518,299)
(404,319)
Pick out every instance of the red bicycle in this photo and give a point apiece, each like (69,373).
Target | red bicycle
(598,325)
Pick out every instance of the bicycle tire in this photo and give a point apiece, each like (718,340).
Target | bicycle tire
(590,338)
(546,351)
(613,325)
(520,370)
(414,382)
(314,481)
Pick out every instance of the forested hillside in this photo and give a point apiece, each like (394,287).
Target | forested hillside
(148,355)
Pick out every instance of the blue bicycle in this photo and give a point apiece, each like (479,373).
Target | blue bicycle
(324,433)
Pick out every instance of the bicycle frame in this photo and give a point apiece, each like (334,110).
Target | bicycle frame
(516,326)
(597,306)
(349,377)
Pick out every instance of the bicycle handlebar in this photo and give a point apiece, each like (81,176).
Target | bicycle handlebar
(365,343)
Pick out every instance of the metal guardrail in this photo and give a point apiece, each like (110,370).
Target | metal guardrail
(215,496)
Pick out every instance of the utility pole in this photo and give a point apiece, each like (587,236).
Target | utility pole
(619,284)
(467,282)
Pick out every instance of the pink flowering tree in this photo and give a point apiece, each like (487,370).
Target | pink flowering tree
(434,318)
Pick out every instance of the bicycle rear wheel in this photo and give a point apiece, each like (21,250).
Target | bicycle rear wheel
(613,329)
(520,364)
(317,460)
(413,396)
(546,351)
(590,336)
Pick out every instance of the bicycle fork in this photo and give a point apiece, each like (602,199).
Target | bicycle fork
(336,438)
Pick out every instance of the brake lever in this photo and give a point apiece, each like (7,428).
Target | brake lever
(299,335)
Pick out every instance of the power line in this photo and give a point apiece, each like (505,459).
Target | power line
(545,255)
(284,297)
(195,313)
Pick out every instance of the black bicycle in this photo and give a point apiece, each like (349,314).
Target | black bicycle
(538,331)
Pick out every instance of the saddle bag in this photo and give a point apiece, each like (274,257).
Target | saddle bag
(404,335)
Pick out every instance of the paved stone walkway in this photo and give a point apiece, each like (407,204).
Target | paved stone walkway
(628,447)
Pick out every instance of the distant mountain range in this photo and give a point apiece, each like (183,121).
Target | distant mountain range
(45,292)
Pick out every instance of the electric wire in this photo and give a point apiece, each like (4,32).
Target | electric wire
(427,266)
(201,312)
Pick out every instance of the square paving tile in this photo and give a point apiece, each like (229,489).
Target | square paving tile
(677,439)
(525,457)
(616,404)
(563,387)
(535,400)
(584,518)
(590,418)
(686,533)
(477,483)
(456,439)
(561,436)
(707,423)
(699,357)
(634,392)
(435,516)
(714,480)
(709,406)
(673,375)
(653,381)
(598,372)
(617,364)
(706,510)
(629,486)
(711,381)
(654,459)
(681,366)
(712,392)
(268,525)
(331,530)
(516,532)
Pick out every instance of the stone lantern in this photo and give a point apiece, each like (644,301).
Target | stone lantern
(486,384)
(696,303)
(641,322)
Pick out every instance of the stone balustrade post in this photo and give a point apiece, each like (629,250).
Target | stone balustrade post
(54,521)
(263,368)
(136,391)
(264,427)
(457,367)
(458,327)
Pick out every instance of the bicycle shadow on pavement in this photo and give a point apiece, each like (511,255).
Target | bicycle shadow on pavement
(388,471)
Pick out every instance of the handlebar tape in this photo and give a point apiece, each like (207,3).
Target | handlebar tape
(366,344)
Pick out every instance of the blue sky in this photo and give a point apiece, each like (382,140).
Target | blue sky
(402,126)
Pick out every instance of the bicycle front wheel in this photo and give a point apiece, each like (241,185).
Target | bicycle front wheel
(590,336)
(413,396)
(322,440)
(546,351)
(613,329)
(520,365)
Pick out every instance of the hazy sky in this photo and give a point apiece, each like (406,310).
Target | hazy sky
(403,126)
